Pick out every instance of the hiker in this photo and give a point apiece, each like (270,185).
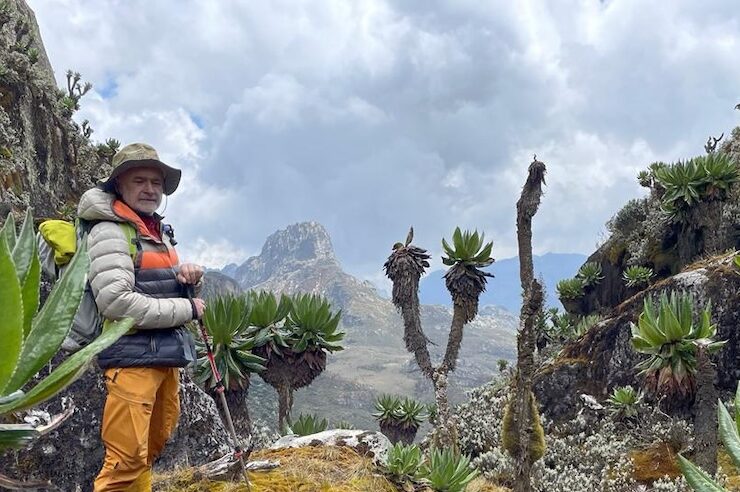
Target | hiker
(146,283)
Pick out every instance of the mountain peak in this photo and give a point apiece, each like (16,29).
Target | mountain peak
(288,250)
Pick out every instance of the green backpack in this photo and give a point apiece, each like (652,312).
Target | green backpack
(57,243)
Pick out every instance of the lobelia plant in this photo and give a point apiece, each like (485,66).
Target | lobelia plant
(624,400)
(637,276)
(584,325)
(570,289)
(305,425)
(31,338)
(403,461)
(446,470)
(729,431)
(671,337)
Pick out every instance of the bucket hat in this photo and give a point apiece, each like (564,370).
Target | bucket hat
(141,155)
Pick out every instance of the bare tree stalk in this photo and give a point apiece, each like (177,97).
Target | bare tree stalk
(522,403)
(454,341)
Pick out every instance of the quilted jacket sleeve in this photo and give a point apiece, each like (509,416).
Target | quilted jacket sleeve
(112,281)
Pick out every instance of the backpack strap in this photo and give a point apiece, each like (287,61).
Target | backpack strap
(134,243)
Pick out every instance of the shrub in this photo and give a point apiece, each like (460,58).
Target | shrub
(305,425)
(403,461)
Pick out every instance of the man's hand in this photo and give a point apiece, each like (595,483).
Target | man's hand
(190,273)
(200,306)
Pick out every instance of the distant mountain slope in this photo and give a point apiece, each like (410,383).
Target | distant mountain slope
(300,258)
(504,289)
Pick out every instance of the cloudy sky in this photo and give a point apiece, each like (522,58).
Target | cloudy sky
(370,115)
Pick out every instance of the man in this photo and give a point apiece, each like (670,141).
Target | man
(145,283)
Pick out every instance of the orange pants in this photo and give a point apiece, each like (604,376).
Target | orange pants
(141,411)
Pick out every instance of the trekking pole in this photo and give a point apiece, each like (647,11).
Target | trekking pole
(238,451)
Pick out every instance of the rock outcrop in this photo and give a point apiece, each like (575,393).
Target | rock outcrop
(604,357)
(46,159)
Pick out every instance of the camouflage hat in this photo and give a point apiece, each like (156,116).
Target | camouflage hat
(141,155)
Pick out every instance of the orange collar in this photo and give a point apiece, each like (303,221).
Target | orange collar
(128,214)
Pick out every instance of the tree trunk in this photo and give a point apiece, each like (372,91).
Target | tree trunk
(284,405)
(237,401)
(445,431)
(454,340)
(705,421)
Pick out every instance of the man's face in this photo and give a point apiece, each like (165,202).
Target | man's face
(141,188)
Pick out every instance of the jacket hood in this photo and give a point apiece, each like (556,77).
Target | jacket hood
(97,204)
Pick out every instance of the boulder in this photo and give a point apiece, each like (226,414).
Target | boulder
(367,443)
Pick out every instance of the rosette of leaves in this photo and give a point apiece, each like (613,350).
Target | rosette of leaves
(399,419)
(404,267)
(637,276)
(465,281)
(227,323)
(670,336)
(305,425)
(570,289)
(31,338)
(590,274)
(683,182)
(403,461)
(446,470)
(266,316)
(721,172)
(729,432)
(624,401)
(296,352)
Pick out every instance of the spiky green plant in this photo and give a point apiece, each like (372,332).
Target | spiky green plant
(266,316)
(29,338)
(305,425)
(313,324)
(590,274)
(343,424)
(737,261)
(410,413)
(682,181)
(227,322)
(403,461)
(584,325)
(446,470)
(624,401)
(720,173)
(465,281)
(502,364)
(570,288)
(386,408)
(636,276)
(645,178)
(729,432)
(670,337)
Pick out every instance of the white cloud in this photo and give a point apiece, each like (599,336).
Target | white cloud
(370,116)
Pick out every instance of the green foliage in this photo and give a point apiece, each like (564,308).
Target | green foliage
(446,471)
(624,401)
(469,249)
(305,425)
(570,288)
(729,431)
(343,424)
(584,325)
(403,460)
(502,364)
(670,337)
(313,324)
(590,274)
(737,261)
(33,55)
(510,438)
(266,316)
(702,178)
(405,413)
(227,322)
(636,276)
(31,338)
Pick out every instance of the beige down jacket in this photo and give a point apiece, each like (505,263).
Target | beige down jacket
(112,268)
